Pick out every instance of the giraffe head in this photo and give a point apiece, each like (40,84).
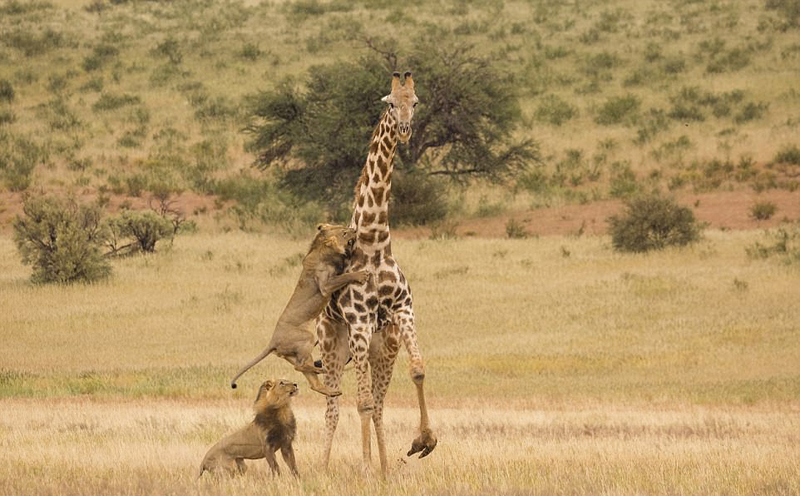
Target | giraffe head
(402,101)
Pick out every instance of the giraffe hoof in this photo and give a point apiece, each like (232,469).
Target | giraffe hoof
(423,444)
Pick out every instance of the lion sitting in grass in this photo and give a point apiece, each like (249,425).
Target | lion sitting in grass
(273,428)
(322,275)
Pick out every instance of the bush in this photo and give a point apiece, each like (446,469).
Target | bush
(653,223)
(31,44)
(143,230)
(61,240)
(6,91)
(515,229)
(763,210)
(417,199)
(101,55)
(783,243)
(618,110)
(623,180)
(788,155)
(751,111)
(790,9)
(555,110)
(110,101)
(19,157)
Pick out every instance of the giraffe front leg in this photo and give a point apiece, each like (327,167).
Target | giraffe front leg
(382,354)
(426,441)
(333,349)
(360,337)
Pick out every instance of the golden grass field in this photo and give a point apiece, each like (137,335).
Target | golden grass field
(555,366)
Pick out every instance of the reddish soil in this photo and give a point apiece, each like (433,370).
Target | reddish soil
(721,210)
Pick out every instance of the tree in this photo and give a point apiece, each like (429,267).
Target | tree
(316,131)
(61,240)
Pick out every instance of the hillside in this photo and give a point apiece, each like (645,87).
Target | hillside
(113,100)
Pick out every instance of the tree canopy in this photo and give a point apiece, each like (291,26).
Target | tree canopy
(316,130)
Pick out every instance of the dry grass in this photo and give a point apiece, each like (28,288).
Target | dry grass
(538,320)
(154,447)
(554,366)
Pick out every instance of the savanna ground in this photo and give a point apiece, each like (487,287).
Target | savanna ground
(554,366)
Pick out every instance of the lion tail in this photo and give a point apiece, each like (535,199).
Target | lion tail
(250,365)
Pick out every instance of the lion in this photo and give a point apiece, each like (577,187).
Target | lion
(322,276)
(273,428)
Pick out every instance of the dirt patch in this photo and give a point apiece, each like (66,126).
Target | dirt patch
(189,204)
(720,210)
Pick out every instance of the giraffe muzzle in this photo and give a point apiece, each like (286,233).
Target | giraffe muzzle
(404,132)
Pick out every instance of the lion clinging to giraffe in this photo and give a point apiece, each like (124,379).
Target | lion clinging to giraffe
(368,321)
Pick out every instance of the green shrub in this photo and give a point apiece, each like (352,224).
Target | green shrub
(219,108)
(783,243)
(534,180)
(789,154)
(100,56)
(32,44)
(789,9)
(6,91)
(618,110)
(61,240)
(751,111)
(7,116)
(417,199)
(250,51)
(19,156)
(650,125)
(554,110)
(141,230)
(732,60)
(171,49)
(110,101)
(623,180)
(763,210)
(59,116)
(652,223)
(515,229)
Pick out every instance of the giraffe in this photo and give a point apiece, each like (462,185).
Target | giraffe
(369,321)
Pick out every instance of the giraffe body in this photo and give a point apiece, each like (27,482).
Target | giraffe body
(369,321)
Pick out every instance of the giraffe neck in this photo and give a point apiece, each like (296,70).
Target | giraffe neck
(371,209)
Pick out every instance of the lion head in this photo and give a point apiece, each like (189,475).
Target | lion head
(275,394)
(334,239)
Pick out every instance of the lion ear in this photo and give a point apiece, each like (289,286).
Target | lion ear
(268,384)
(320,226)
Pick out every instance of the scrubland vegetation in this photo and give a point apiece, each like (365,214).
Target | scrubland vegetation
(654,354)
(133,98)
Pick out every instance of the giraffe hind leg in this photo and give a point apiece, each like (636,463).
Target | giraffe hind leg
(382,354)
(333,347)
(426,441)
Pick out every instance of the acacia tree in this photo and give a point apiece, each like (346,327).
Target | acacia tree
(316,131)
